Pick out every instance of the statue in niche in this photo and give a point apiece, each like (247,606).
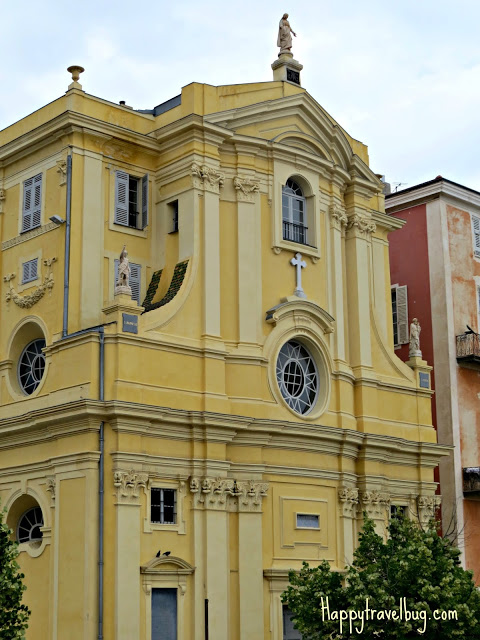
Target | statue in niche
(284,40)
(414,348)
(123,279)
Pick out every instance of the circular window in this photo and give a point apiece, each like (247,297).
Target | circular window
(31,366)
(297,377)
(29,526)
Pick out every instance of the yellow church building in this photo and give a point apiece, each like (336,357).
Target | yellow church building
(198,387)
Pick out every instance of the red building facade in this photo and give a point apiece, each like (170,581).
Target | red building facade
(435,277)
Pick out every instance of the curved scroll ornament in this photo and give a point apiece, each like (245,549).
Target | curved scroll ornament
(26,302)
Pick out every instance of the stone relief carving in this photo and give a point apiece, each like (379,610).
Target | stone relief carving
(349,500)
(24,237)
(227,494)
(62,171)
(338,217)
(51,487)
(207,178)
(128,484)
(246,188)
(427,507)
(2,198)
(363,225)
(375,503)
(26,302)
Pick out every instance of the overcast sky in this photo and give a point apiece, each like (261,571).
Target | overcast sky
(401,76)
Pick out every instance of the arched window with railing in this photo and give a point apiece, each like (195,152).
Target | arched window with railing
(294,213)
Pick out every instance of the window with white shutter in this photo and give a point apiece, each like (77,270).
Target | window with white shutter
(29,271)
(32,203)
(135,279)
(400,315)
(476,236)
(131,200)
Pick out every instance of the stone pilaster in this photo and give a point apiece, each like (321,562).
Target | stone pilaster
(348,498)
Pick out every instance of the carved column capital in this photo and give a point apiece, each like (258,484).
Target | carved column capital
(361,225)
(348,497)
(338,217)
(128,485)
(246,188)
(375,503)
(207,178)
(427,507)
(226,494)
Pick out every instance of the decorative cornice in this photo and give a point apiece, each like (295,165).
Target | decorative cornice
(375,503)
(348,497)
(29,235)
(427,507)
(207,178)
(246,188)
(26,302)
(128,484)
(363,225)
(226,494)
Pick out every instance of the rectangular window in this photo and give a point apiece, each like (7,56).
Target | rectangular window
(397,509)
(164,614)
(29,271)
(173,211)
(131,200)
(308,521)
(163,506)
(476,236)
(400,315)
(135,279)
(289,633)
(32,203)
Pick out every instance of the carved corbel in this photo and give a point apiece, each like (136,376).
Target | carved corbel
(3,195)
(361,224)
(51,488)
(338,218)
(62,171)
(207,178)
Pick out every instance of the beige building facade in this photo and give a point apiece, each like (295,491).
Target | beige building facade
(242,406)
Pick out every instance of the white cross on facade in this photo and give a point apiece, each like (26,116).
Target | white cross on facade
(299,264)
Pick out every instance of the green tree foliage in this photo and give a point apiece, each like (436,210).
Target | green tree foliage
(415,574)
(13,614)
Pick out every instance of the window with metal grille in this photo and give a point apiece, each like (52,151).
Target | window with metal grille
(29,271)
(297,377)
(31,366)
(131,200)
(163,505)
(294,213)
(32,203)
(135,279)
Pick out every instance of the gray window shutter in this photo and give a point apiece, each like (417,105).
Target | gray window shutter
(121,198)
(135,279)
(164,614)
(289,632)
(476,236)
(135,272)
(145,201)
(27,218)
(37,201)
(402,314)
(30,270)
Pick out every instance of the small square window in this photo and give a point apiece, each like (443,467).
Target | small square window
(308,521)
(163,506)
(398,510)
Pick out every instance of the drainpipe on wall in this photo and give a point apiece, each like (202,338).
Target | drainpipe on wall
(66,277)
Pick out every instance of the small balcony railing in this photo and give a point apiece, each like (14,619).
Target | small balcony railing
(471,480)
(295,232)
(468,347)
